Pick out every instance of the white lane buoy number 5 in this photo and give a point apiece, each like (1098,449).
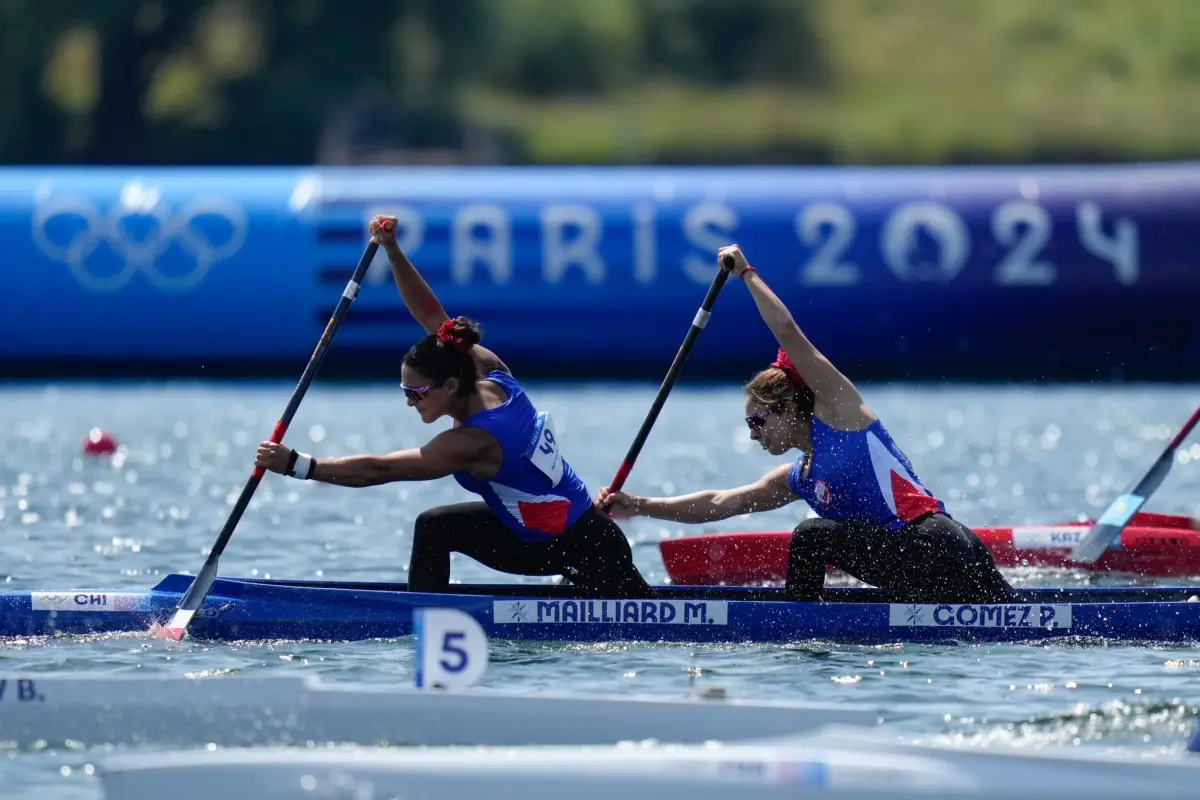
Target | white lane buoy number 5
(451,648)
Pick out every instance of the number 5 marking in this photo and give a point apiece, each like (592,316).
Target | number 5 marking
(449,645)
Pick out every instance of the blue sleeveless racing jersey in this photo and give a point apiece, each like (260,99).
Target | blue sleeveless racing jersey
(536,493)
(861,476)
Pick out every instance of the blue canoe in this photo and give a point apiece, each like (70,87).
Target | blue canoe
(250,609)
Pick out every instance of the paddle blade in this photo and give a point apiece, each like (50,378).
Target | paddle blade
(192,600)
(176,629)
(1118,515)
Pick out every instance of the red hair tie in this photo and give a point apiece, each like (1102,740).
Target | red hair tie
(784,362)
(448,337)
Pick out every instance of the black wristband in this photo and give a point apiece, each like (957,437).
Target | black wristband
(291,465)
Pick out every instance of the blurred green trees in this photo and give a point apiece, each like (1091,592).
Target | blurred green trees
(600,81)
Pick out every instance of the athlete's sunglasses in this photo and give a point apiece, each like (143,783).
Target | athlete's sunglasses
(757,420)
(416,393)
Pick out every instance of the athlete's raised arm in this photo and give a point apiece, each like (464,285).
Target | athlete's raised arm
(835,394)
(418,298)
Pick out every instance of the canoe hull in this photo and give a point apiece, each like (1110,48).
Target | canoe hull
(261,609)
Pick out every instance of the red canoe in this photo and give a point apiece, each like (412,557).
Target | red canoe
(1159,545)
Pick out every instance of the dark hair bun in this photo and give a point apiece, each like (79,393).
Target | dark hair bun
(460,334)
(466,331)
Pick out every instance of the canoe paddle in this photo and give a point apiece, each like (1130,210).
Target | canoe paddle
(1114,519)
(681,358)
(194,597)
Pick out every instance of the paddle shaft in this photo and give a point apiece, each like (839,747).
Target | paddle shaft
(677,365)
(200,587)
(1184,431)
(1118,515)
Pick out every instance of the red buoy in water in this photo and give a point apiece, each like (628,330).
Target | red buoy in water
(99,443)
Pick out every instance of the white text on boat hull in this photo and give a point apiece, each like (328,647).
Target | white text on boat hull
(980,615)
(623,612)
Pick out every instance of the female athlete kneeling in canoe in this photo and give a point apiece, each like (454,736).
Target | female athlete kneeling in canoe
(877,521)
(536,517)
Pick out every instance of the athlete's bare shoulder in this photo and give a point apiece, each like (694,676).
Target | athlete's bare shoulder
(486,361)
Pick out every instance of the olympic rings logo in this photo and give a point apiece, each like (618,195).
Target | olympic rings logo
(133,253)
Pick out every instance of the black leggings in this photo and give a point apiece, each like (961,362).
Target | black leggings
(933,559)
(593,553)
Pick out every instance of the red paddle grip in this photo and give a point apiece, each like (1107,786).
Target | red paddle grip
(622,474)
(276,437)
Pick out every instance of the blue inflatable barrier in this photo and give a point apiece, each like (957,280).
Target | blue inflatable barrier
(929,272)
